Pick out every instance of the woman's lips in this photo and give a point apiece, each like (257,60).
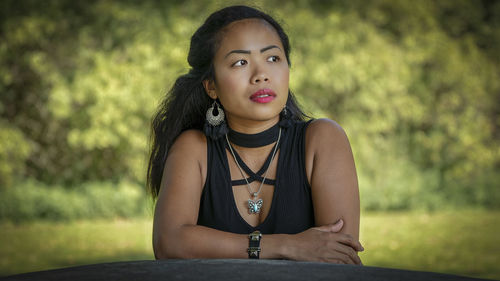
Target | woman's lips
(263,96)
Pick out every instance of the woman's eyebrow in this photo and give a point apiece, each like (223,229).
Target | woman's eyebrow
(249,52)
(269,47)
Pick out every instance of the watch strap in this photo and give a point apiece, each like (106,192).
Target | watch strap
(254,245)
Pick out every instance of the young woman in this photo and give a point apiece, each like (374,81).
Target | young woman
(235,169)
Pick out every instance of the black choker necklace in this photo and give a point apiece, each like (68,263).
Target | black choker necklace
(254,140)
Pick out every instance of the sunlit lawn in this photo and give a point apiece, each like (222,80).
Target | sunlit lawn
(464,243)
(44,245)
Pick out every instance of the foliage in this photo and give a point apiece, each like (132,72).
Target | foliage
(414,84)
(33,201)
(418,103)
(46,245)
(13,152)
(423,241)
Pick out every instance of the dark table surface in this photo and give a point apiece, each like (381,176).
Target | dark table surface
(241,270)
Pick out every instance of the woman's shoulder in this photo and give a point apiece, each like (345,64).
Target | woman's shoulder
(325,135)
(192,135)
(326,144)
(191,141)
(324,129)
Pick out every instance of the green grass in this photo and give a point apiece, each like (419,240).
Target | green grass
(464,243)
(48,245)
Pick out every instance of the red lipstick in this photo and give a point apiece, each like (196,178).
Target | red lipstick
(263,96)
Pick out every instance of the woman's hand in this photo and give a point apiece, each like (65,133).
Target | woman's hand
(326,244)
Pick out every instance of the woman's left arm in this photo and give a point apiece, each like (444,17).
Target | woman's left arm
(332,175)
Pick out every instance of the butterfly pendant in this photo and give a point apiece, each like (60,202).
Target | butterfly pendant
(254,206)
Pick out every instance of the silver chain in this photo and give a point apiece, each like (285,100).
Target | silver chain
(254,194)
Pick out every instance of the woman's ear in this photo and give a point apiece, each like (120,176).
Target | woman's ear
(209,86)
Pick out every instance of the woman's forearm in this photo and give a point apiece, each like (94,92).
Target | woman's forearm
(315,244)
(194,241)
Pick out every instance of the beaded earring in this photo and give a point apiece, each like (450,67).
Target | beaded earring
(215,125)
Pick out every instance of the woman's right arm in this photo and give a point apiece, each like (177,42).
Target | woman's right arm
(176,235)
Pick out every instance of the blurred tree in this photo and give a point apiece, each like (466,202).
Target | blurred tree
(419,100)
(415,85)
(32,34)
(13,152)
(81,80)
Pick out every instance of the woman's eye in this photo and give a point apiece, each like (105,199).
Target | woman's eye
(240,63)
(273,59)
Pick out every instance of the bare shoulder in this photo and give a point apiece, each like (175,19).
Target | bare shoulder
(189,148)
(324,132)
(192,141)
(187,156)
(326,143)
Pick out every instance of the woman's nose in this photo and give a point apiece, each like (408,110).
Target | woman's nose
(259,76)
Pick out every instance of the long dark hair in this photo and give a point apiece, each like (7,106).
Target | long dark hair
(185,105)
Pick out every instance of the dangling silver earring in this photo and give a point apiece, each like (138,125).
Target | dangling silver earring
(285,118)
(215,114)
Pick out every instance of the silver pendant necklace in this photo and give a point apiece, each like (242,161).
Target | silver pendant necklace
(254,205)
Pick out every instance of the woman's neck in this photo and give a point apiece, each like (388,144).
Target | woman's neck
(260,134)
(251,127)
(261,139)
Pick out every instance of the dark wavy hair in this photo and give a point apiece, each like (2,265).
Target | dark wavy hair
(185,105)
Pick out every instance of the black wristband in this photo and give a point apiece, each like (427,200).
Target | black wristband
(254,244)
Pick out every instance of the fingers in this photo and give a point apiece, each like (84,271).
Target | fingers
(343,248)
(341,258)
(347,239)
(323,228)
(332,227)
(336,227)
(336,261)
(324,243)
(341,252)
(350,256)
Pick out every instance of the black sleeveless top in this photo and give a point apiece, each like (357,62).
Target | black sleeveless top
(291,208)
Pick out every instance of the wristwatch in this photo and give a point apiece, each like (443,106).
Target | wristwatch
(254,244)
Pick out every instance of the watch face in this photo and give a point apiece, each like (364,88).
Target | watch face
(255,236)
(254,244)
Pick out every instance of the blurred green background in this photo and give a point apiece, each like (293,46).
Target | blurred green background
(415,84)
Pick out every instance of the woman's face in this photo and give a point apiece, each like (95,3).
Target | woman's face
(251,73)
